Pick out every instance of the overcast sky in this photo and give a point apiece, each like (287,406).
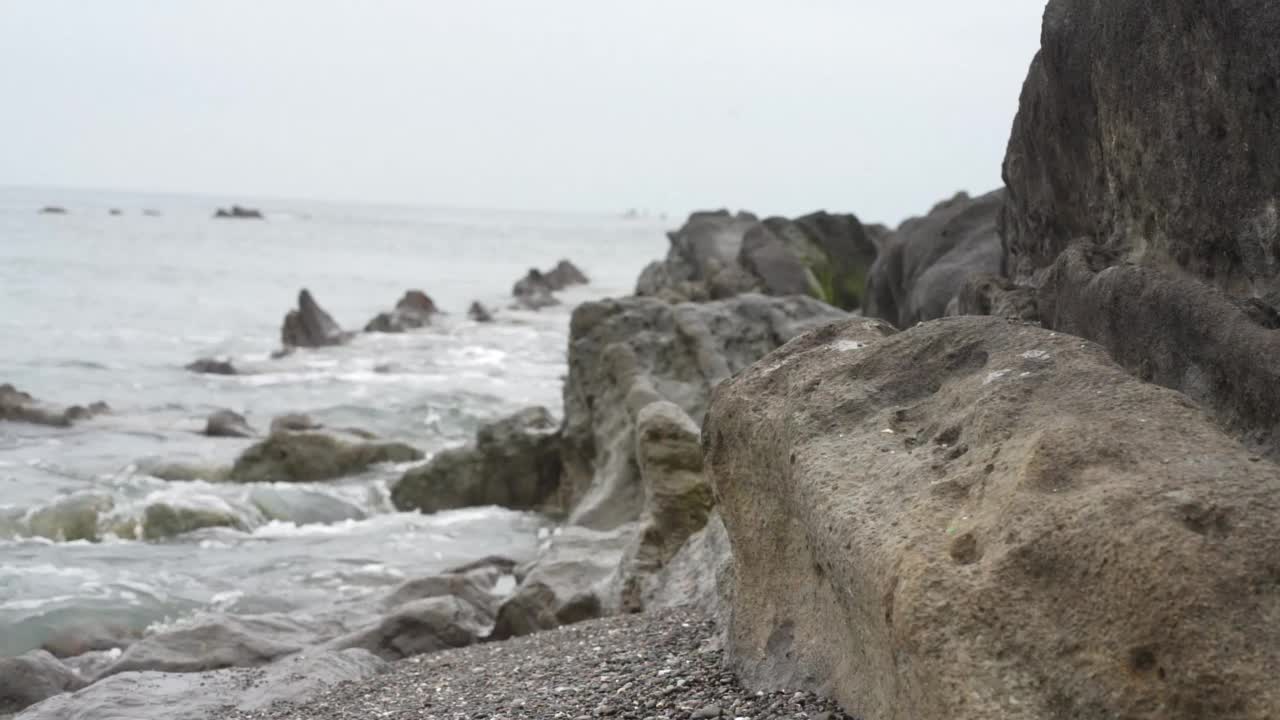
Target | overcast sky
(778,106)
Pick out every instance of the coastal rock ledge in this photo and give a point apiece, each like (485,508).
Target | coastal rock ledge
(979,518)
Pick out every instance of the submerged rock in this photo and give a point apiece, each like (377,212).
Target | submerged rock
(310,326)
(18,406)
(514,463)
(989,491)
(294,422)
(227,423)
(212,366)
(312,457)
(925,264)
(237,212)
(413,311)
(28,679)
(479,313)
(209,695)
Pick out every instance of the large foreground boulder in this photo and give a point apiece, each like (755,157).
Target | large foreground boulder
(412,311)
(625,354)
(514,463)
(209,695)
(312,457)
(310,326)
(923,266)
(18,406)
(983,519)
(27,679)
(718,255)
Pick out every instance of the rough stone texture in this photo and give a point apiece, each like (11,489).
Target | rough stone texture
(422,626)
(655,665)
(27,679)
(677,497)
(570,581)
(994,295)
(978,518)
(708,243)
(294,422)
(212,366)
(413,311)
(474,583)
(1154,131)
(310,457)
(310,326)
(923,266)
(214,643)
(18,406)
(479,313)
(208,695)
(514,463)
(699,576)
(227,423)
(625,354)
(1178,333)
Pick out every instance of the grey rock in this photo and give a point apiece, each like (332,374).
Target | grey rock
(413,311)
(227,423)
(310,326)
(700,576)
(209,695)
(479,313)
(514,463)
(53,210)
(294,422)
(18,406)
(212,366)
(312,457)
(236,212)
(983,489)
(30,678)
(422,626)
(925,264)
(822,255)
(565,274)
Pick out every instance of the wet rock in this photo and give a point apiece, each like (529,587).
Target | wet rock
(982,489)
(294,422)
(925,263)
(514,463)
(71,518)
(311,457)
(209,695)
(310,326)
(422,626)
(533,291)
(151,213)
(565,274)
(213,643)
(163,520)
(115,212)
(212,366)
(473,582)
(183,472)
(30,678)
(413,311)
(53,210)
(479,313)
(227,423)
(18,406)
(569,581)
(625,354)
(236,212)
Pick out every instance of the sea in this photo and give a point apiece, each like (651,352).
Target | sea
(100,306)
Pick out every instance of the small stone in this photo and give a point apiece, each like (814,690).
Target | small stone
(710,711)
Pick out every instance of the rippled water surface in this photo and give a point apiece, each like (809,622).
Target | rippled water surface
(101,307)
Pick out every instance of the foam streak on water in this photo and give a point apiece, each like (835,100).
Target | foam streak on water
(99,307)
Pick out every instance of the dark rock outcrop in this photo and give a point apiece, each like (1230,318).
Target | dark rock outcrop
(565,274)
(514,463)
(535,290)
(212,366)
(18,406)
(718,255)
(310,326)
(227,423)
(479,313)
(625,354)
(28,679)
(923,266)
(236,212)
(53,210)
(312,457)
(1090,545)
(413,311)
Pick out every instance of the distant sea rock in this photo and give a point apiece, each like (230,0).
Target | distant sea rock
(212,366)
(534,290)
(479,313)
(18,406)
(53,210)
(240,213)
(310,326)
(413,311)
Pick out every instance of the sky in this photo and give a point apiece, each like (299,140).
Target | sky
(780,107)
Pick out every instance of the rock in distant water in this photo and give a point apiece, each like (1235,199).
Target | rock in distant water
(925,264)
(534,290)
(310,326)
(53,210)
(18,406)
(239,213)
(115,212)
(294,422)
(210,695)
(565,274)
(414,310)
(700,575)
(312,457)
(514,463)
(227,423)
(479,313)
(212,366)
(27,679)
(151,213)
(718,255)
(980,519)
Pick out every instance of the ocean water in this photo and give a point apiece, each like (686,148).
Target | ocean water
(101,307)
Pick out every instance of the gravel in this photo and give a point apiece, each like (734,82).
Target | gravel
(655,666)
